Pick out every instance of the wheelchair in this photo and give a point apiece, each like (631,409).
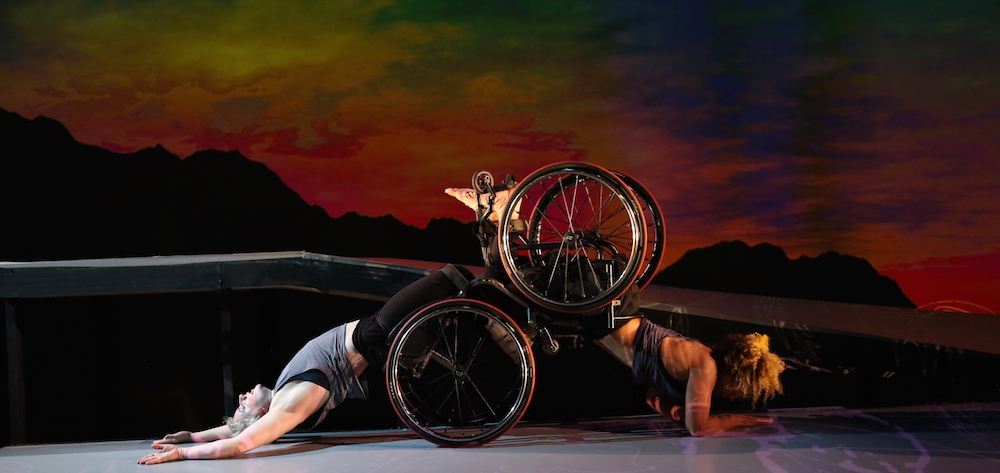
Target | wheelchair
(571,240)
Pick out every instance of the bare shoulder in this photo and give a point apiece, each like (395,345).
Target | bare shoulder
(687,345)
(681,354)
(625,335)
(297,395)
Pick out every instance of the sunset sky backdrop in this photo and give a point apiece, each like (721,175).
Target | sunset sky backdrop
(863,127)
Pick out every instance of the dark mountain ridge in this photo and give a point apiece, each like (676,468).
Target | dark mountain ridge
(61,199)
(765,270)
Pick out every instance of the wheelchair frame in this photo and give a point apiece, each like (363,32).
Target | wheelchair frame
(460,371)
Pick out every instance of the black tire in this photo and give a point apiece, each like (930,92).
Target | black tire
(460,373)
(656,232)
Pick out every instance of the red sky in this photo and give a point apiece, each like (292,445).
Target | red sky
(865,130)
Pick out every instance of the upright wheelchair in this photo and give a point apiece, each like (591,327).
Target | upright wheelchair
(571,240)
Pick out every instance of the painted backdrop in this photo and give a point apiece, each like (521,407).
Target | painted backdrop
(862,127)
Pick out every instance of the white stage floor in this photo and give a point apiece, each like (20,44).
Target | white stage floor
(958,438)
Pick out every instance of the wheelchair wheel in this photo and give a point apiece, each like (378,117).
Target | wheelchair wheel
(460,373)
(583,243)
(656,232)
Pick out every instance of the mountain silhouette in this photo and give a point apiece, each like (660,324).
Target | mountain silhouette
(61,199)
(765,270)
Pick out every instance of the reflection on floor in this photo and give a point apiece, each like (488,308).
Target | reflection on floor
(957,438)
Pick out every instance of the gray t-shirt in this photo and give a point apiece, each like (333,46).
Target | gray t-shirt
(327,354)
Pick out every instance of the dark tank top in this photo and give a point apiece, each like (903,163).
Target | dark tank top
(647,370)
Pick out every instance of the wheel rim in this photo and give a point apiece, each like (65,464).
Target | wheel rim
(584,241)
(453,381)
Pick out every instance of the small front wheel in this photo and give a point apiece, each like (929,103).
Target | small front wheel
(482,182)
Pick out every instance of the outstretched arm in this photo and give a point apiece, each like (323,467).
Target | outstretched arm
(289,408)
(184,436)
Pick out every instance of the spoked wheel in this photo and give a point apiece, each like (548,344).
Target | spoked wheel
(460,373)
(656,232)
(584,242)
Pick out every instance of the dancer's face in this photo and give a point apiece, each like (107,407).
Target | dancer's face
(253,400)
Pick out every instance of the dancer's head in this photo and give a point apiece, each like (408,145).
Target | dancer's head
(747,369)
(253,405)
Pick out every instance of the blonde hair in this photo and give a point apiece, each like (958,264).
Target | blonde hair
(237,426)
(747,363)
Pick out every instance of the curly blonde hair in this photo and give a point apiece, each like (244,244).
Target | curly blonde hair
(749,367)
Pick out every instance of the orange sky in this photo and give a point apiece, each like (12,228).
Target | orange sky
(859,129)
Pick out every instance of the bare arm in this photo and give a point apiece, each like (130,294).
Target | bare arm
(184,436)
(698,403)
(289,408)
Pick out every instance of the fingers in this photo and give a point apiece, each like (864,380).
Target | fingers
(750,421)
(163,444)
(164,455)
(178,437)
(169,438)
(154,458)
(677,413)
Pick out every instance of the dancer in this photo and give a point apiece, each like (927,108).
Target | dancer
(683,374)
(319,377)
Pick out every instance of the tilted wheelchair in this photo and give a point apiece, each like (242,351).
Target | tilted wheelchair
(571,240)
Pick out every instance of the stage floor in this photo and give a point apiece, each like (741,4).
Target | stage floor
(956,438)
